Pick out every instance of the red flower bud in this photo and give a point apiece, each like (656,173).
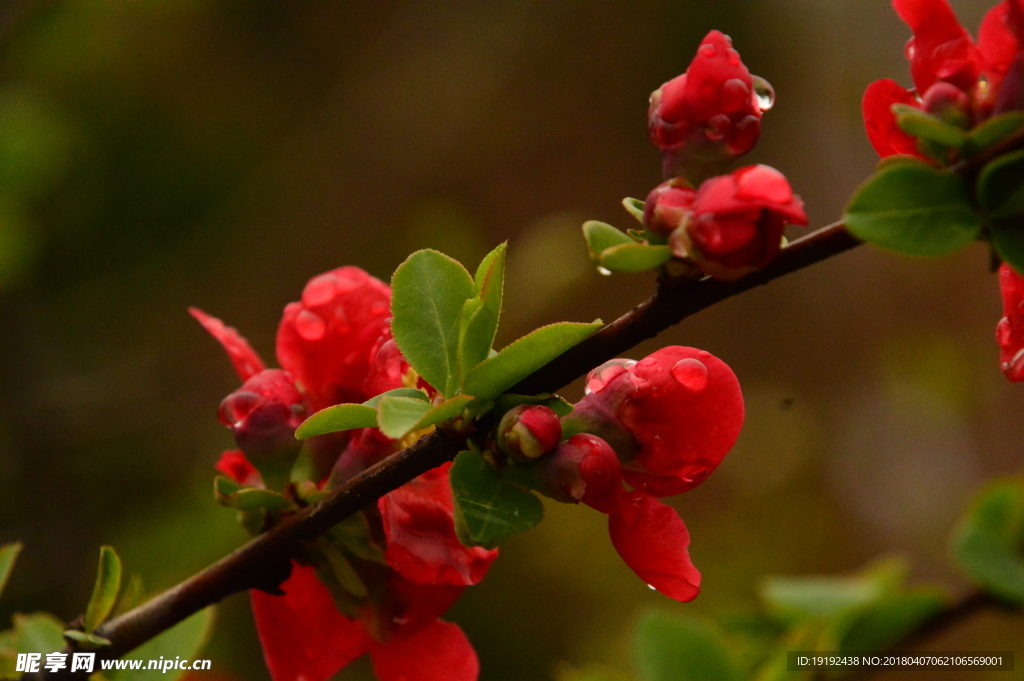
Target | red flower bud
(583,468)
(667,206)
(529,431)
(1010,331)
(678,411)
(710,115)
(737,222)
(235,466)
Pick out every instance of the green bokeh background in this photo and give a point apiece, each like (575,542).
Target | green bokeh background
(157,154)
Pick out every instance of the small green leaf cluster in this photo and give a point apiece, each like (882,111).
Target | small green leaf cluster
(42,633)
(444,322)
(988,544)
(869,610)
(933,207)
(634,250)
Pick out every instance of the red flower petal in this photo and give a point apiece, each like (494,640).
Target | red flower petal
(326,340)
(880,122)
(421,542)
(234,465)
(245,360)
(1010,331)
(652,540)
(303,635)
(439,652)
(941,48)
(686,413)
(997,44)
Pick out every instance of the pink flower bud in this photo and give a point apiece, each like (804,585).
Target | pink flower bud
(1010,331)
(529,431)
(710,115)
(667,206)
(737,222)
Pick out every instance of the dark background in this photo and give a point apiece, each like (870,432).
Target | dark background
(155,155)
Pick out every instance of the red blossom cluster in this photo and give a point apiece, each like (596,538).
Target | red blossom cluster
(956,79)
(335,346)
(702,121)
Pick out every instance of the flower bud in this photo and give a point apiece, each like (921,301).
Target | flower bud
(263,415)
(529,431)
(948,103)
(667,206)
(671,417)
(737,222)
(710,115)
(584,468)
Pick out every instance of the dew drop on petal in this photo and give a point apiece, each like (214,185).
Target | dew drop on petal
(647,361)
(691,373)
(604,271)
(379,308)
(319,290)
(310,326)
(764,92)
(652,587)
(707,50)
(349,281)
(734,57)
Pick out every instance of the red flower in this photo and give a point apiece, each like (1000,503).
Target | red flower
(648,535)
(421,541)
(736,222)
(672,417)
(942,54)
(708,116)
(1010,331)
(667,206)
(335,346)
(325,340)
(305,638)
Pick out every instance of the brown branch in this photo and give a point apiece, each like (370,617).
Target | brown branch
(264,561)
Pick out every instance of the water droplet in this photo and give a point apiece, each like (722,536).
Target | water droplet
(603,375)
(911,49)
(691,373)
(734,57)
(647,361)
(652,587)
(349,281)
(704,354)
(310,326)
(604,271)
(707,50)
(764,92)
(717,127)
(319,290)
(735,95)
(378,308)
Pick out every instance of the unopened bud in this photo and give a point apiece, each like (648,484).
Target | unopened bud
(667,206)
(948,103)
(529,431)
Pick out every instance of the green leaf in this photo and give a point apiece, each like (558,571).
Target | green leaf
(795,598)
(479,320)
(487,509)
(185,640)
(250,499)
(448,409)
(601,236)
(914,209)
(342,570)
(924,125)
(994,131)
(38,632)
(397,392)
(429,290)
(520,359)
(891,618)
(1001,186)
(1008,240)
(675,648)
(634,207)
(353,534)
(223,489)
(8,553)
(338,417)
(104,592)
(398,415)
(988,544)
(87,641)
(634,257)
